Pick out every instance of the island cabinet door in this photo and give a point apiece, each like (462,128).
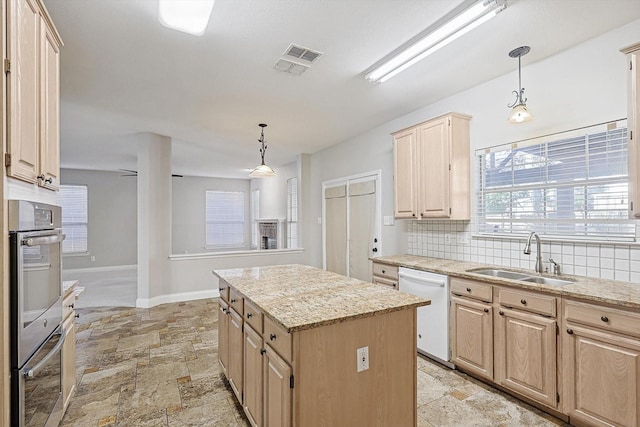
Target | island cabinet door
(277,390)
(223,336)
(236,340)
(253,352)
(602,377)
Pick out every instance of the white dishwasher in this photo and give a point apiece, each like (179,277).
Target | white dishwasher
(433,320)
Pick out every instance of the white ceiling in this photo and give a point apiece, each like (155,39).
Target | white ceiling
(123,73)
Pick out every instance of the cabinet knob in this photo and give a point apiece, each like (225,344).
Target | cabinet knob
(604,318)
(77,316)
(249,315)
(570,331)
(263,350)
(394,285)
(48,181)
(501,313)
(523,301)
(224,310)
(221,289)
(39,177)
(374,250)
(486,310)
(413,214)
(468,289)
(383,271)
(72,305)
(233,300)
(272,337)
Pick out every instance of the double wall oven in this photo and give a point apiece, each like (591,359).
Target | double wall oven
(35,240)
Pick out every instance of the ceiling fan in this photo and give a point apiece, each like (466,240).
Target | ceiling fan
(135,173)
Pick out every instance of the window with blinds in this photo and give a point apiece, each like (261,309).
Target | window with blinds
(224,226)
(292,213)
(75,218)
(255,214)
(570,185)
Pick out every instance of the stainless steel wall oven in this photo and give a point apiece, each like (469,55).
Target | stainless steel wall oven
(35,237)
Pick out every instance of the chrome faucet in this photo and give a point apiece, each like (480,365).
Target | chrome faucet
(527,250)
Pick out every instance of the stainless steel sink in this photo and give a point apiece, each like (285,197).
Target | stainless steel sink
(546,281)
(525,277)
(501,273)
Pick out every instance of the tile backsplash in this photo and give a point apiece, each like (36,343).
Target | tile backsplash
(455,240)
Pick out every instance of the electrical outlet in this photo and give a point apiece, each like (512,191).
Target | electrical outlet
(93,258)
(463,238)
(363,358)
(447,238)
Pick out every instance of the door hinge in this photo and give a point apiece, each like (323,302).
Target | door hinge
(291,381)
(242,396)
(557,397)
(449,166)
(7,159)
(631,206)
(7,65)
(630,65)
(449,211)
(557,329)
(630,135)
(449,121)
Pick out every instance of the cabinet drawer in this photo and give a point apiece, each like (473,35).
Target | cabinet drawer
(236,301)
(471,289)
(528,301)
(253,316)
(223,287)
(384,281)
(277,338)
(68,304)
(609,319)
(385,270)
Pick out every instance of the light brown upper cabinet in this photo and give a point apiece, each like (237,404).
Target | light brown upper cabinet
(633,120)
(432,169)
(32,67)
(633,125)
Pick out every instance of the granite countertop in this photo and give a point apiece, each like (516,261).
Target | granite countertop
(299,297)
(600,290)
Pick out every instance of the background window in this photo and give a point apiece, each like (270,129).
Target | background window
(255,214)
(292,213)
(574,186)
(75,217)
(224,219)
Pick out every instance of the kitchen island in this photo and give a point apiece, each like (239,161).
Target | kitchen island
(302,346)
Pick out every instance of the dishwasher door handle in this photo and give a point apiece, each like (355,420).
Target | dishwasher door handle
(423,280)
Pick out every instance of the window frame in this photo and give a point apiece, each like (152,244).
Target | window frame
(69,239)
(224,246)
(533,179)
(292,222)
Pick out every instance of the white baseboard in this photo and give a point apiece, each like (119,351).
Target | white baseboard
(100,269)
(185,296)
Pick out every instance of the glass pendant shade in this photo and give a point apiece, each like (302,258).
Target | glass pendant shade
(519,114)
(262,171)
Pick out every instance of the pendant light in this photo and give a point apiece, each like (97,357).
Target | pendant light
(262,171)
(519,113)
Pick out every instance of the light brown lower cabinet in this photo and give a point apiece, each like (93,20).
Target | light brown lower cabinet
(472,336)
(277,390)
(68,360)
(309,377)
(223,335)
(601,365)
(236,340)
(525,355)
(253,375)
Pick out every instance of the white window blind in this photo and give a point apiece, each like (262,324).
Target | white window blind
(255,214)
(75,217)
(572,185)
(292,213)
(224,219)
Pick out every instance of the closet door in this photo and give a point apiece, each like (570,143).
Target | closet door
(362,214)
(336,229)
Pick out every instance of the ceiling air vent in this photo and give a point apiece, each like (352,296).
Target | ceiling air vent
(302,54)
(296,60)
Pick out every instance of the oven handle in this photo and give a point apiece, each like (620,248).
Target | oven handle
(45,240)
(32,372)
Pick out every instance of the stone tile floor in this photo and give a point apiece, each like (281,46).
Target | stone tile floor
(158,367)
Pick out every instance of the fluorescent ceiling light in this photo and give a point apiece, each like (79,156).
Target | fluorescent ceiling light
(188,16)
(455,24)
